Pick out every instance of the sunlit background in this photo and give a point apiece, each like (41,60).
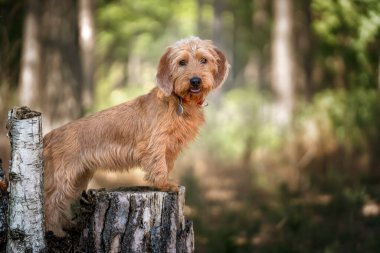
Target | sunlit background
(288,159)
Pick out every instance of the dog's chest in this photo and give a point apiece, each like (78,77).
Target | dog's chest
(184,129)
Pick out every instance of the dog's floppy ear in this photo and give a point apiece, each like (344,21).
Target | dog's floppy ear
(163,74)
(223,68)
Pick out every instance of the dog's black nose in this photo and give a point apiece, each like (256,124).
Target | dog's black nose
(195,81)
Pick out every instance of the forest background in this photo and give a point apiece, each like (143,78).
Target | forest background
(288,158)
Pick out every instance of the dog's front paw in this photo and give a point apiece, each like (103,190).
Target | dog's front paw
(169,186)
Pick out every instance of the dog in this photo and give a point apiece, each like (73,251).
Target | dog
(147,132)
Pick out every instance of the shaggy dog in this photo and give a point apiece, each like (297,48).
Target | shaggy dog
(147,132)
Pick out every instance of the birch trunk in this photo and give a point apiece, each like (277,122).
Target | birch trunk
(26,230)
(3,209)
(137,220)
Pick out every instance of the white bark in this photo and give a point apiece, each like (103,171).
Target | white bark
(3,209)
(283,62)
(26,230)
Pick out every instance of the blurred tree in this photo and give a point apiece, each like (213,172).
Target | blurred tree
(200,18)
(11,21)
(61,70)
(126,25)
(87,46)
(31,58)
(52,77)
(347,36)
(217,24)
(378,76)
(283,62)
(303,41)
(261,18)
(238,40)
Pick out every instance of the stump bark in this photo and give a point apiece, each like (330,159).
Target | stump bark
(3,209)
(138,219)
(25,216)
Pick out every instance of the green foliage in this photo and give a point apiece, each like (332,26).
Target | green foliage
(237,123)
(352,115)
(120,22)
(348,31)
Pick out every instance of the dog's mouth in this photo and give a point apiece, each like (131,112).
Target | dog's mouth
(195,90)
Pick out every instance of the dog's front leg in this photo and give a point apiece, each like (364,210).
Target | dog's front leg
(157,171)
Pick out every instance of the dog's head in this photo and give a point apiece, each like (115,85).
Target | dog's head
(191,68)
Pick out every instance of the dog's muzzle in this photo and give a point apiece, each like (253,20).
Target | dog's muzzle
(195,84)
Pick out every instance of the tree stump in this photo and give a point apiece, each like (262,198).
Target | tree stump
(3,209)
(25,216)
(139,219)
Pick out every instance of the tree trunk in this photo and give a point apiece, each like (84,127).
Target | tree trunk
(29,91)
(26,230)
(217,25)
(261,34)
(283,62)
(3,209)
(378,76)
(303,36)
(137,220)
(61,69)
(200,19)
(54,68)
(87,46)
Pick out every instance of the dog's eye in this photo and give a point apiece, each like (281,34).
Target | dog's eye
(203,60)
(182,63)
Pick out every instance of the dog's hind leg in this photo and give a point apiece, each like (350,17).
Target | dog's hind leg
(63,186)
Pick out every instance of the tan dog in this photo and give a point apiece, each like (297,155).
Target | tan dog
(147,132)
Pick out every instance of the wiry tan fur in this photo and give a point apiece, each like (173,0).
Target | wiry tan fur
(146,132)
